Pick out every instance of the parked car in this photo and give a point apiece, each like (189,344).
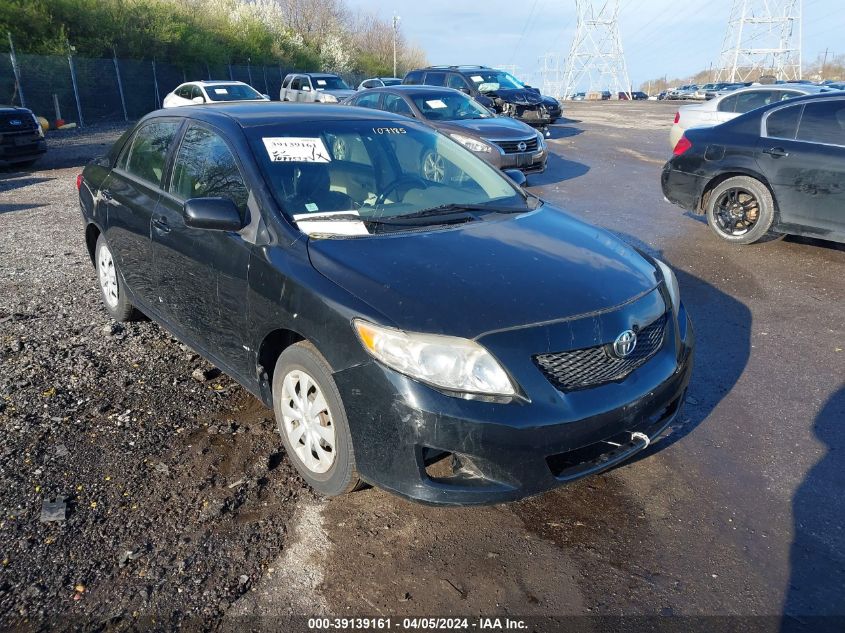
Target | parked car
(778,168)
(503,142)
(379,82)
(455,342)
(199,92)
(21,137)
(579,96)
(732,104)
(701,93)
(494,89)
(314,88)
(725,89)
(635,96)
(683,92)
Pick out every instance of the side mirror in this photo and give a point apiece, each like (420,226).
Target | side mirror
(198,100)
(517,176)
(216,214)
(465,90)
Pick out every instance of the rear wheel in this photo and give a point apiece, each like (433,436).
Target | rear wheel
(312,421)
(111,285)
(433,166)
(740,210)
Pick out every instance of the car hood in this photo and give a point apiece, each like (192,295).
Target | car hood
(340,94)
(517,96)
(10,109)
(487,275)
(498,128)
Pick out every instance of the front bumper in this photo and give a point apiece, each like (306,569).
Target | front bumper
(435,448)
(21,147)
(526,162)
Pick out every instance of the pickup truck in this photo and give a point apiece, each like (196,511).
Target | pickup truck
(314,88)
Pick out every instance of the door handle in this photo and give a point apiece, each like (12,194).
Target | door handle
(776,152)
(160,224)
(105,194)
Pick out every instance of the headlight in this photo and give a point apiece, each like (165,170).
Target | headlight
(541,142)
(448,362)
(327,98)
(671,285)
(38,125)
(472,144)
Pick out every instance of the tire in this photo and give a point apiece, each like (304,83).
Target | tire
(329,472)
(433,167)
(740,210)
(112,289)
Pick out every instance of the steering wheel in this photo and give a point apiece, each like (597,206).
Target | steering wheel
(409,181)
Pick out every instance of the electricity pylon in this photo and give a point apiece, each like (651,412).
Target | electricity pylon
(763,38)
(550,74)
(596,50)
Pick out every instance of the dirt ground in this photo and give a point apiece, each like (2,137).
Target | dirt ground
(182,509)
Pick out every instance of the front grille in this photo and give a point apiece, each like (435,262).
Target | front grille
(593,366)
(27,123)
(512,147)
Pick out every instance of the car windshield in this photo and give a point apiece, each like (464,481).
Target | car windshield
(490,80)
(232,92)
(371,176)
(449,106)
(329,82)
(391,82)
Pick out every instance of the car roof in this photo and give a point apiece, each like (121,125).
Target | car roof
(258,113)
(415,89)
(808,88)
(214,82)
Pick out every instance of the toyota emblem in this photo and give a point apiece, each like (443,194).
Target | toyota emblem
(522,146)
(625,343)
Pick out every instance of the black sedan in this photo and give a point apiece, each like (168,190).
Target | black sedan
(455,342)
(778,169)
(503,142)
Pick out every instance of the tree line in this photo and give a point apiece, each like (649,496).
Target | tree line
(303,34)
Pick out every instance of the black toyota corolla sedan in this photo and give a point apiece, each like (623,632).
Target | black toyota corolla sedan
(778,169)
(454,341)
(503,142)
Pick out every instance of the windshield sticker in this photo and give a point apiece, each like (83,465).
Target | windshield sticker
(477,78)
(311,207)
(325,224)
(435,103)
(390,130)
(221,91)
(292,149)
(321,82)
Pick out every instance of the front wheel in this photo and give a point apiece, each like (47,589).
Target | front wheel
(740,210)
(312,421)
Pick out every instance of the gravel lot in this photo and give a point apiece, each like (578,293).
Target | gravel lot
(181,508)
(177,494)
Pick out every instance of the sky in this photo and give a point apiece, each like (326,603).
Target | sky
(660,37)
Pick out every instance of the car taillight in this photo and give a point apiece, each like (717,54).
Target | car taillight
(677,117)
(682,146)
(79,182)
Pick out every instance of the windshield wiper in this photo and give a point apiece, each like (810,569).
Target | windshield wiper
(447,209)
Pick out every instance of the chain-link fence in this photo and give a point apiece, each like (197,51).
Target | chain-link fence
(85,91)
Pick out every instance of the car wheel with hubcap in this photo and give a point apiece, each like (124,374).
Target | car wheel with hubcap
(740,210)
(433,166)
(111,286)
(312,420)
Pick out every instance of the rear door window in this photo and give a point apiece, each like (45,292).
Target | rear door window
(148,151)
(397,105)
(414,77)
(728,104)
(823,122)
(295,83)
(435,79)
(748,101)
(369,100)
(783,123)
(206,168)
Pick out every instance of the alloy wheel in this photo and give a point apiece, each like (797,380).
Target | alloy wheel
(736,211)
(307,421)
(434,167)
